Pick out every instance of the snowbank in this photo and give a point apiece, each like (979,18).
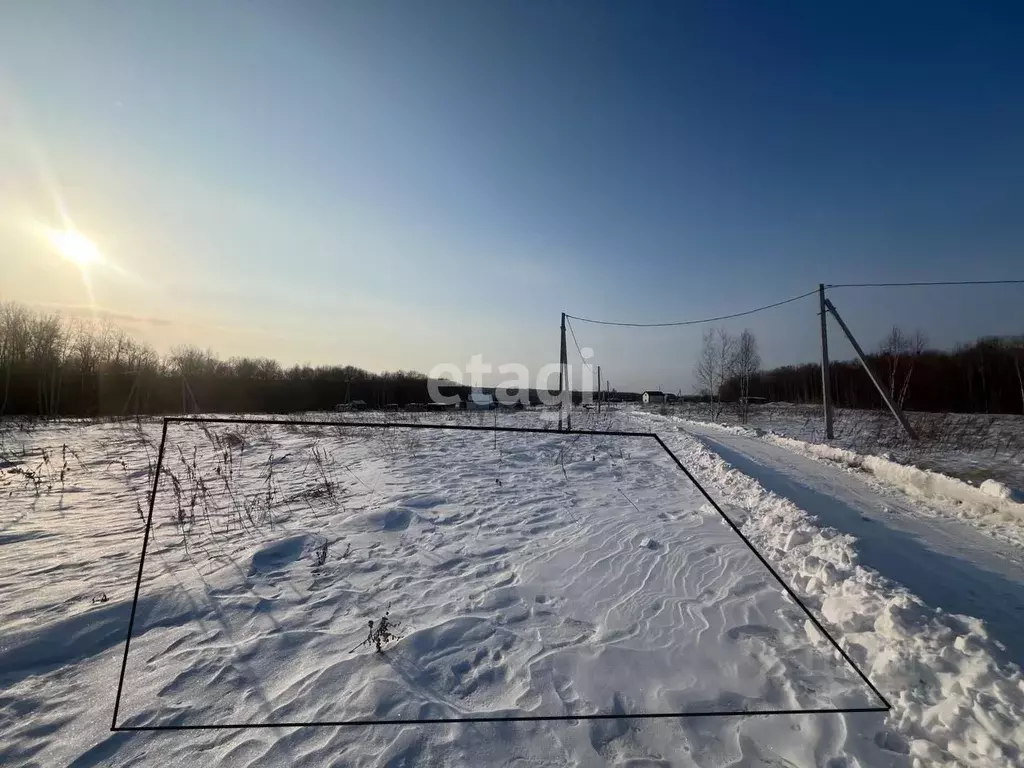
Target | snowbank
(921,483)
(953,703)
(1002,491)
(991,502)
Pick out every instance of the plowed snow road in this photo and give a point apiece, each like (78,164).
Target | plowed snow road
(946,563)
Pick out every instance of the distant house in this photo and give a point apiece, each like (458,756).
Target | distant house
(652,397)
(480,401)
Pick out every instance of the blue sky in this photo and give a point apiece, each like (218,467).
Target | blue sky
(395,185)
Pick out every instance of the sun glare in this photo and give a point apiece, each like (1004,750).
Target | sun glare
(75,247)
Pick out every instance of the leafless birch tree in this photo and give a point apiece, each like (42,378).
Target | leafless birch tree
(714,366)
(746,362)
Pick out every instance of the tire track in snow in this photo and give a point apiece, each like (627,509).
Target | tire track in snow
(944,562)
(954,702)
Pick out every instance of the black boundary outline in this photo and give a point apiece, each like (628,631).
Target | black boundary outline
(524,718)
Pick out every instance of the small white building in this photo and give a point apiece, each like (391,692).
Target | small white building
(479,401)
(653,397)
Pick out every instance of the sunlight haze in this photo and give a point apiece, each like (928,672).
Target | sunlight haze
(391,186)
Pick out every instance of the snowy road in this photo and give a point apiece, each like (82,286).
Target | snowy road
(949,565)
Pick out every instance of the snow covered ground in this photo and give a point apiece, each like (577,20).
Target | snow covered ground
(990,505)
(971,447)
(893,534)
(858,558)
(529,574)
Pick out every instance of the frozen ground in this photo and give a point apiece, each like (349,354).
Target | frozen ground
(530,575)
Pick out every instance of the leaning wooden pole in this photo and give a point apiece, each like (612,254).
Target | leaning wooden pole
(871,375)
(826,388)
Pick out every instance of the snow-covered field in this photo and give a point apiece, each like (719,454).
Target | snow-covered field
(527,575)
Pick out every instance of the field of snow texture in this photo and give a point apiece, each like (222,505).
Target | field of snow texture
(521,575)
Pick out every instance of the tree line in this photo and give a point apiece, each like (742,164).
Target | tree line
(51,365)
(986,376)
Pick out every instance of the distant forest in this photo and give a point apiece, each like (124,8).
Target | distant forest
(984,377)
(54,366)
(51,365)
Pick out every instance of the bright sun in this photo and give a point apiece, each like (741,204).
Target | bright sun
(75,247)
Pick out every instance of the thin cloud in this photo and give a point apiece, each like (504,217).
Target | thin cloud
(87,311)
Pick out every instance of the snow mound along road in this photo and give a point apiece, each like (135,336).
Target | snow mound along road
(1002,491)
(923,483)
(953,702)
(991,506)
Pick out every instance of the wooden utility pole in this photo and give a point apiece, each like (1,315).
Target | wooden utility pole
(826,388)
(599,389)
(871,375)
(561,375)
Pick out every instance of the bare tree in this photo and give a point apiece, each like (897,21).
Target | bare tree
(1014,345)
(704,369)
(726,350)
(914,347)
(746,362)
(714,366)
(892,348)
(50,347)
(15,340)
(188,361)
(268,369)
(896,347)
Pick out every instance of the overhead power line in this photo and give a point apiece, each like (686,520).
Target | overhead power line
(696,322)
(940,282)
(578,345)
(790,300)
